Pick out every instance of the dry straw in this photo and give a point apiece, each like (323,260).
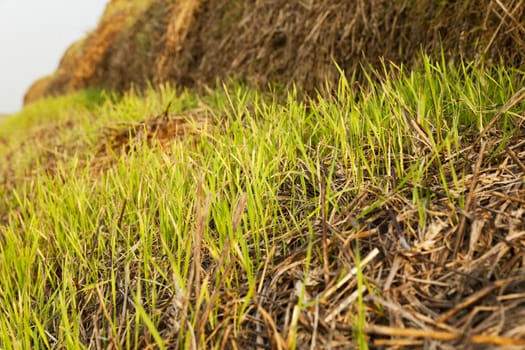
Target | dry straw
(190,42)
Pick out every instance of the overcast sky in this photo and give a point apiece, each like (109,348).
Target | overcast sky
(33,36)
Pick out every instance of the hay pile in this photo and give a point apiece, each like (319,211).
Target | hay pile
(193,42)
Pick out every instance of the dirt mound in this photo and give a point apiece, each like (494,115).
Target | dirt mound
(190,42)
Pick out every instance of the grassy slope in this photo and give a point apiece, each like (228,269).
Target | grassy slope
(229,233)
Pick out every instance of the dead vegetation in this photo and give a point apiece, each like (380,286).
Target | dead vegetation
(453,281)
(161,130)
(191,42)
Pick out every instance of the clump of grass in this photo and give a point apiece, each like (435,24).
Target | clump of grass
(245,234)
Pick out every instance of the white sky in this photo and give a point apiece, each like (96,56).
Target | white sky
(33,36)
